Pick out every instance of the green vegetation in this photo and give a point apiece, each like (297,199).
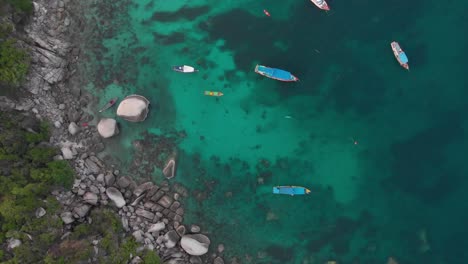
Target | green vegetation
(14,61)
(22,6)
(27,175)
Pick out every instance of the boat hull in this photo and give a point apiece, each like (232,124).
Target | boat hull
(184,69)
(291,190)
(276,74)
(321,4)
(109,104)
(399,54)
(215,94)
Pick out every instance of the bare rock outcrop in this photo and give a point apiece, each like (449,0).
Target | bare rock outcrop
(133,108)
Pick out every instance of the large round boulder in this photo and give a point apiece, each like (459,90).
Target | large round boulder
(196,244)
(116,196)
(133,108)
(107,127)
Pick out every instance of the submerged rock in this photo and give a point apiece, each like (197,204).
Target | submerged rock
(107,127)
(133,108)
(169,169)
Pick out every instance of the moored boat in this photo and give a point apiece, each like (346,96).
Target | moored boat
(184,69)
(216,94)
(400,55)
(109,104)
(322,4)
(290,190)
(277,74)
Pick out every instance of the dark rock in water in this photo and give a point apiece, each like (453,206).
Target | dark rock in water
(194,229)
(169,169)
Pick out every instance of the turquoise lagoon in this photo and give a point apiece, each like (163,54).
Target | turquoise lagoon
(398,192)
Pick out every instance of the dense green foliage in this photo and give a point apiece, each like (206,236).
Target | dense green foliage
(25,6)
(27,174)
(14,61)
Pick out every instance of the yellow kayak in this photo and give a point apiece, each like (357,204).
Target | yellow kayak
(211,93)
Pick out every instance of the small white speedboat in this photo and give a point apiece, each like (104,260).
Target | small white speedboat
(184,69)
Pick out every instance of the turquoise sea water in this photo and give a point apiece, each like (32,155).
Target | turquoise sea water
(400,191)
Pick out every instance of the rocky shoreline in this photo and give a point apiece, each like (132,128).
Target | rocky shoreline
(152,214)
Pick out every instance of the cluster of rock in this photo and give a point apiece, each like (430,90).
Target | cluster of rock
(133,108)
(152,214)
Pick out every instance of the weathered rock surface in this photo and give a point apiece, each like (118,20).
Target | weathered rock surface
(107,127)
(40,212)
(116,196)
(67,217)
(196,244)
(90,198)
(67,153)
(157,227)
(73,128)
(13,243)
(133,108)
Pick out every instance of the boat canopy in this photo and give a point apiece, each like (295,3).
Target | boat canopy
(403,57)
(291,190)
(275,73)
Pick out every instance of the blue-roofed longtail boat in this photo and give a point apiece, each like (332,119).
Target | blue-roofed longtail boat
(211,93)
(290,190)
(400,55)
(276,74)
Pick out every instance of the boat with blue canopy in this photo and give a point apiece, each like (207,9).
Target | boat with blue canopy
(290,190)
(277,74)
(400,55)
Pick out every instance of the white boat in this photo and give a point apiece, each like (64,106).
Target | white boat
(322,4)
(184,69)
